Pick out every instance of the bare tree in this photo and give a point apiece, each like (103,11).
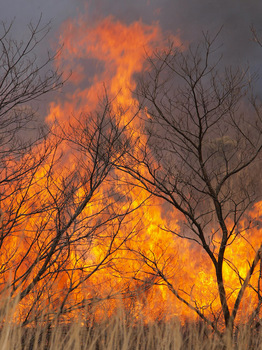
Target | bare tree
(54,210)
(59,213)
(23,79)
(201,156)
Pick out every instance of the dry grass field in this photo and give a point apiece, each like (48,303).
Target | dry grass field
(121,332)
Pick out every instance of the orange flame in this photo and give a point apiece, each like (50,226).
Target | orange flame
(111,53)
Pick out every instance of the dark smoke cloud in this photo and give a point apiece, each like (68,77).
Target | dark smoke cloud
(236,17)
(25,11)
(186,18)
(189,18)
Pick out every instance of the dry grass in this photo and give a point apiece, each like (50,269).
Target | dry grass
(120,332)
(116,334)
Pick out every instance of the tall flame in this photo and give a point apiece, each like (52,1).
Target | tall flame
(109,54)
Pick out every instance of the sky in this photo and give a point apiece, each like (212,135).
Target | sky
(186,19)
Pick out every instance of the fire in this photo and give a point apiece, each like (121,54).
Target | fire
(113,50)
(109,54)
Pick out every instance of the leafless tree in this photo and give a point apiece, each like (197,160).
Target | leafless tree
(23,79)
(54,211)
(60,212)
(201,156)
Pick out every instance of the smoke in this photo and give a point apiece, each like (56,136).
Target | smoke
(188,19)
(236,17)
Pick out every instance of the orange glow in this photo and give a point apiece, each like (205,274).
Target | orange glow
(111,53)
